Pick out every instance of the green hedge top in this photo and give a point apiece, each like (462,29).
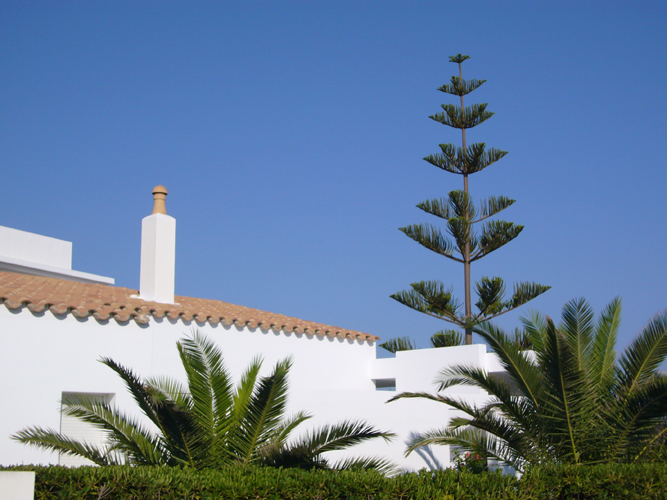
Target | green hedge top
(647,481)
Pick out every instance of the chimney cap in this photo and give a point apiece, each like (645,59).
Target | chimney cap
(159,196)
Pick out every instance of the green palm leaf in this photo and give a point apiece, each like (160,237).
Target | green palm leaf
(124,433)
(340,436)
(378,464)
(603,355)
(50,440)
(579,329)
(264,411)
(646,353)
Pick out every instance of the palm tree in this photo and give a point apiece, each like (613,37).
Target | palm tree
(208,422)
(568,401)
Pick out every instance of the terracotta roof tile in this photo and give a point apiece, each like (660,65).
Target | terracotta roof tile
(104,302)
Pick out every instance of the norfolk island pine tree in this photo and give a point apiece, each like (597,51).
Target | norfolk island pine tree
(463,244)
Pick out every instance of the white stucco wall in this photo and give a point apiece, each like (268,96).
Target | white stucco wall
(42,355)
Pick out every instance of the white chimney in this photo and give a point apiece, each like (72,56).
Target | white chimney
(158,252)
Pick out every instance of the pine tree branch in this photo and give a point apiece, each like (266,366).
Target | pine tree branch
(469,117)
(460,87)
(495,234)
(461,231)
(493,205)
(524,292)
(432,238)
(456,205)
(472,159)
(431,298)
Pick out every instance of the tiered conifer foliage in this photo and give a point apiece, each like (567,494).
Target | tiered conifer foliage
(464,244)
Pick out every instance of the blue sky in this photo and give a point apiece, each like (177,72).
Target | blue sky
(291,135)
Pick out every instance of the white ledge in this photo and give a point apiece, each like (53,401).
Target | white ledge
(24,267)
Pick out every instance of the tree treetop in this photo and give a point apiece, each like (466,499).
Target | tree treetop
(458,58)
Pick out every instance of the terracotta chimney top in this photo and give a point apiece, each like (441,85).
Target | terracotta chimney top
(159,195)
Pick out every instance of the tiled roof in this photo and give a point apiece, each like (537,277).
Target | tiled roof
(103,302)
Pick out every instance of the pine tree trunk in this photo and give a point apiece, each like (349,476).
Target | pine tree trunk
(466,256)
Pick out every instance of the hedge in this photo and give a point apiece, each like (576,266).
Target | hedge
(541,483)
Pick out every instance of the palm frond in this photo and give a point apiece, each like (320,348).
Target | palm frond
(603,354)
(520,410)
(523,372)
(340,436)
(535,326)
(50,440)
(287,426)
(211,387)
(170,388)
(381,465)
(645,354)
(122,432)
(577,325)
(571,404)
(265,411)
(136,388)
(470,440)
(639,414)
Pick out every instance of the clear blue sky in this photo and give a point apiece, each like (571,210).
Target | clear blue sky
(291,135)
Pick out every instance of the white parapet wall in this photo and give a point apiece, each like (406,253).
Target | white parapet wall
(35,248)
(29,253)
(331,378)
(17,485)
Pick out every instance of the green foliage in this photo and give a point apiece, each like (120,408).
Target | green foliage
(473,462)
(462,243)
(443,338)
(568,401)
(460,87)
(617,481)
(470,160)
(462,118)
(521,340)
(210,422)
(446,338)
(399,344)
(432,298)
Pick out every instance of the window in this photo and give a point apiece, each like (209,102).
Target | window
(385,384)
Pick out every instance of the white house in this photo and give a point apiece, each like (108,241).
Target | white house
(56,323)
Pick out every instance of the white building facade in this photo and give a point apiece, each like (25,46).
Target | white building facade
(56,323)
